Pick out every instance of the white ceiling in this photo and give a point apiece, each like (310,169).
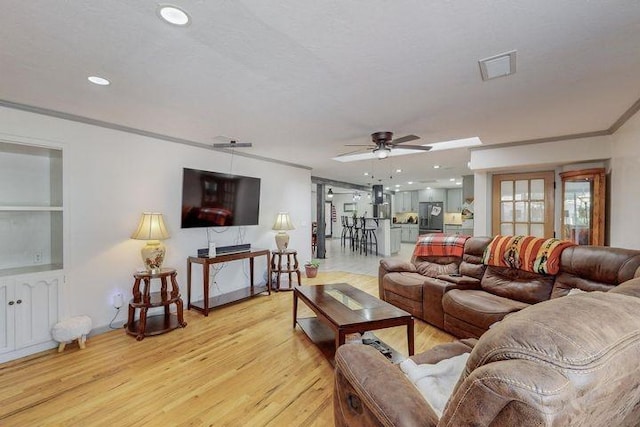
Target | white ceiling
(301,78)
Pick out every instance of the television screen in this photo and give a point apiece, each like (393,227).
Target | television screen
(213,199)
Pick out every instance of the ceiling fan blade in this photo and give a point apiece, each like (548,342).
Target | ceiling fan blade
(233,144)
(406,138)
(414,147)
(360,145)
(361,150)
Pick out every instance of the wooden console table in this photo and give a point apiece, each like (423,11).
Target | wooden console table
(207,303)
(157,324)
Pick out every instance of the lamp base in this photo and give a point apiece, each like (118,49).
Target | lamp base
(153,255)
(282,241)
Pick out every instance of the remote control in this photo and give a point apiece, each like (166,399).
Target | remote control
(378,346)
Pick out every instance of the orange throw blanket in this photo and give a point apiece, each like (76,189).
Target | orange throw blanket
(526,253)
(439,244)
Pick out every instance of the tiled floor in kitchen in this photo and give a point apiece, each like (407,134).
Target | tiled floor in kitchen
(340,258)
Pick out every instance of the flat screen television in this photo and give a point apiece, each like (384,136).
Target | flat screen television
(214,199)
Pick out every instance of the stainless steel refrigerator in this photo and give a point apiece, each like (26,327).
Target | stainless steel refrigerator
(430,217)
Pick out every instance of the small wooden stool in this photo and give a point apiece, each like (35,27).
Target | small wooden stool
(291,267)
(74,328)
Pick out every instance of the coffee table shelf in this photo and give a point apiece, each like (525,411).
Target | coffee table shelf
(324,338)
(341,310)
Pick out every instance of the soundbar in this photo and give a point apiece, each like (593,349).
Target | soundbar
(225,250)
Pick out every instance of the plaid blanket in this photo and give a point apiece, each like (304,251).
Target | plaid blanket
(439,244)
(526,253)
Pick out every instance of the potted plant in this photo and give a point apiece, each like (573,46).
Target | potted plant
(311,268)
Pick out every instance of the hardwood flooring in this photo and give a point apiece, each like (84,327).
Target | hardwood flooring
(243,365)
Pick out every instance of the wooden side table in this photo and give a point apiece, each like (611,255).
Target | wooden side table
(291,267)
(145,299)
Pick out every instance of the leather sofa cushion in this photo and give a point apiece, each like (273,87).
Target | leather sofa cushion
(430,269)
(594,268)
(517,284)
(408,285)
(478,307)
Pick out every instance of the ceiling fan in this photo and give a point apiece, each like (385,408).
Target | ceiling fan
(226,142)
(382,144)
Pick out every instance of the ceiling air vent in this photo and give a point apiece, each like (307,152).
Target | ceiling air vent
(498,66)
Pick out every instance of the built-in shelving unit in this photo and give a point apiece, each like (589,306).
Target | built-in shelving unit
(31,210)
(31,254)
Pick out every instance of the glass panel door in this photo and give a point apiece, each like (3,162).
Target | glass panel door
(523,204)
(583,194)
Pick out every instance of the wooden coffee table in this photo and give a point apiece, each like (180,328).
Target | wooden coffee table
(342,309)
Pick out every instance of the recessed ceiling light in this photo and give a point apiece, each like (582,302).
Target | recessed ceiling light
(436,166)
(458,183)
(397,185)
(398,170)
(366,174)
(386,188)
(100,81)
(428,188)
(410,182)
(452,179)
(173,15)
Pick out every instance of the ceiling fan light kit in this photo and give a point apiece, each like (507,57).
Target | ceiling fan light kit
(382,152)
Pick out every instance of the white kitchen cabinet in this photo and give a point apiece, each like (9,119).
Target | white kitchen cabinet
(406,201)
(413,234)
(452,229)
(454,200)
(432,195)
(29,309)
(409,233)
(396,238)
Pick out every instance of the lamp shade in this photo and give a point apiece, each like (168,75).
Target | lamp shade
(283,222)
(151,227)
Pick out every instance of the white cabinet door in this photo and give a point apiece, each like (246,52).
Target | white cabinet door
(30,305)
(7,328)
(395,240)
(405,236)
(431,195)
(454,200)
(413,234)
(36,308)
(414,201)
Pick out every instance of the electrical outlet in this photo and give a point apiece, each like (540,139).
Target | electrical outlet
(117,300)
(37,257)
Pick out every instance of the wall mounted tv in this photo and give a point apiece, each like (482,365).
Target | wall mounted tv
(213,199)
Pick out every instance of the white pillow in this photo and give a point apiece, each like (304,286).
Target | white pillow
(436,382)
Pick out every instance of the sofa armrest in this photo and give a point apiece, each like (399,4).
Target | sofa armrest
(395,264)
(445,351)
(463,282)
(362,394)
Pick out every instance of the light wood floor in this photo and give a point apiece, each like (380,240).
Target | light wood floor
(243,365)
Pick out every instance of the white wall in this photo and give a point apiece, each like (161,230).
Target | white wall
(625,180)
(111,177)
(618,153)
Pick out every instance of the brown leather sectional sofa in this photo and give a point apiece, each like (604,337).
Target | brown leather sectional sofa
(569,361)
(467,305)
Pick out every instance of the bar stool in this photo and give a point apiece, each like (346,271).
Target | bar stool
(358,229)
(347,231)
(369,238)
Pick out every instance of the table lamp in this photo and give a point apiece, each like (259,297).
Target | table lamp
(282,224)
(152,229)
